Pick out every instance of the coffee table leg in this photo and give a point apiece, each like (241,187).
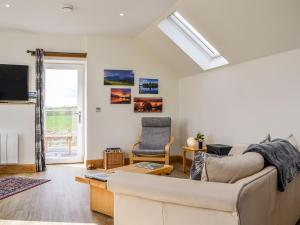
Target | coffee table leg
(102,200)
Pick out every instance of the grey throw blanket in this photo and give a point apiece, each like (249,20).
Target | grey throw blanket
(283,155)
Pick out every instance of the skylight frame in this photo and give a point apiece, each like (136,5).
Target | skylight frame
(191,42)
(193,34)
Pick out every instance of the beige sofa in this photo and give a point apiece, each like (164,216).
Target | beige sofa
(156,200)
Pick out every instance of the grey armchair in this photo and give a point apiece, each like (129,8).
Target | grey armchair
(154,144)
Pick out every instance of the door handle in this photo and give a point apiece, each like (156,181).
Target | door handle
(79,116)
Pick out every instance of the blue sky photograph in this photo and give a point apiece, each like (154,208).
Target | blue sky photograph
(119,77)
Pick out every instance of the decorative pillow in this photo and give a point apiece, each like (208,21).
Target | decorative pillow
(198,164)
(293,141)
(266,139)
(238,149)
(232,168)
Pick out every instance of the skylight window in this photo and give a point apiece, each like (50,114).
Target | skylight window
(185,36)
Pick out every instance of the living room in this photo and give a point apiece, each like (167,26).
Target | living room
(228,70)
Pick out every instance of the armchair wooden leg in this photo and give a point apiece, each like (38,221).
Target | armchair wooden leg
(131,159)
(167,160)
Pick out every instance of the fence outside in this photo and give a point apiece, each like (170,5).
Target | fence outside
(61,129)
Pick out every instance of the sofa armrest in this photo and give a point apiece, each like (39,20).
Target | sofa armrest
(208,195)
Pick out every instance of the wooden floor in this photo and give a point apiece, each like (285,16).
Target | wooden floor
(61,200)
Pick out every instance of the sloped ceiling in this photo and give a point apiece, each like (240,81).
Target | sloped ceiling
(241,30)
(89,16)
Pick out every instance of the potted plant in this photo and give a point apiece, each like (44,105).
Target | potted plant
(200,138)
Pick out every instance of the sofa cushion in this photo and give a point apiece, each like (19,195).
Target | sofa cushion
(238,149)
(232,168)
(266,139)
(293,141)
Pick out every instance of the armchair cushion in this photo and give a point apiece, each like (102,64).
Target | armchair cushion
(156,122)
(153,152)
(154,138)
(156,132)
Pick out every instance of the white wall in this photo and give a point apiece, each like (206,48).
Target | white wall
(242,103)
(239,103)
(116,125)
(13,47)
(19,118)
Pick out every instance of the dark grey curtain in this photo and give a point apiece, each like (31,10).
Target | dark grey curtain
(39,112)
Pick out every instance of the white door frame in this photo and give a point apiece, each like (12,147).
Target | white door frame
(81,66)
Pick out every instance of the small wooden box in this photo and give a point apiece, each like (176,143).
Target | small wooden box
(113,159)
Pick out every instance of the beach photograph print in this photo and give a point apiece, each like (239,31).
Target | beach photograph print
(151,105)
(120,96)
(148,86)
(119,77)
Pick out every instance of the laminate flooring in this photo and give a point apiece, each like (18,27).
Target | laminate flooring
(58,202)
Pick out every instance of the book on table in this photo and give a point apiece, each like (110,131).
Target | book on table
(149,165)
(98,176)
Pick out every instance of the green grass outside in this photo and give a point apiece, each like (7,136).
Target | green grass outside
(59,122)
(60,119)
(119,83)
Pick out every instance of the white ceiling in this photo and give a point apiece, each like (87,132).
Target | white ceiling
(89,16)
(241,30)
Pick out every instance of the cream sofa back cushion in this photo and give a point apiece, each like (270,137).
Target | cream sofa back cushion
(238,149)
(293,141)
(232,168)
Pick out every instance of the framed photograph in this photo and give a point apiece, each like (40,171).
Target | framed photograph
(148,86)
(119,77)
(152,105)
(120,96)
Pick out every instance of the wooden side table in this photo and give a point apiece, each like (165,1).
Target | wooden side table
(186,149)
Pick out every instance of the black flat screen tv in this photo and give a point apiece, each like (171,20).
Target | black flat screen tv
(13,82)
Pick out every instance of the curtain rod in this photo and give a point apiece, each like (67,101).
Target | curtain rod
(61,54)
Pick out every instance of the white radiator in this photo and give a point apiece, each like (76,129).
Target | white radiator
(9,153)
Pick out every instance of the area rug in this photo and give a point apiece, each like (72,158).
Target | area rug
(13,185)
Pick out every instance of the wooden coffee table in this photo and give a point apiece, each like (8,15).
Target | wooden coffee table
(102,200)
